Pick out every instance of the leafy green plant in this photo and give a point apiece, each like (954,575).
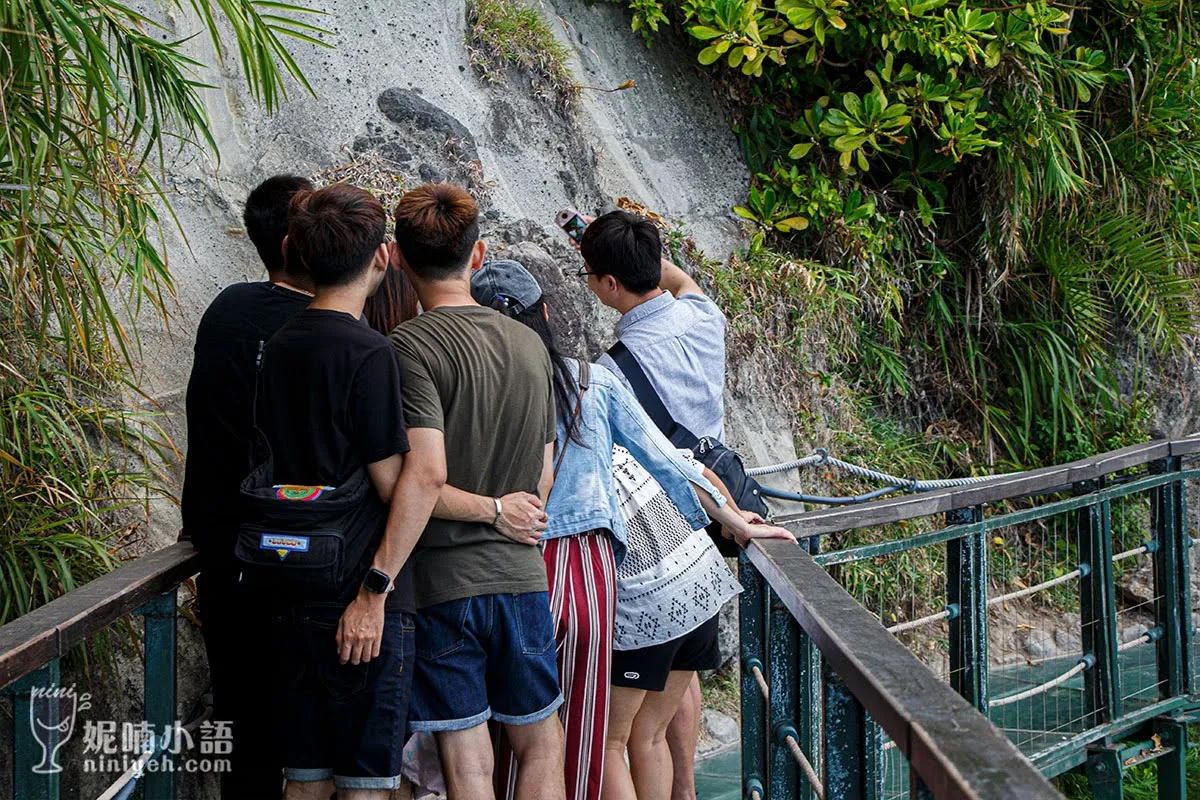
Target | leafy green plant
(1014,188)
(93,96)
(505,33)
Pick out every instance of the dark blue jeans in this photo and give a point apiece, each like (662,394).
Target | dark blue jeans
(335,720)
(485,657)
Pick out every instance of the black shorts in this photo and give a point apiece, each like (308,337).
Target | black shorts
(648,667)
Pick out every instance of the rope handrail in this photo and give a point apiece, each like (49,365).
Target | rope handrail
(806,767)
(1027,591)
(1084,663)
(821,457)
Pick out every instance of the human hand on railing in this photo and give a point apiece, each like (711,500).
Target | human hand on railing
(751,517)
(522,517)
(761,531)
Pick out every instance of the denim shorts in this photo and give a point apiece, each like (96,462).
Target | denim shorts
(485,657)
(340,721)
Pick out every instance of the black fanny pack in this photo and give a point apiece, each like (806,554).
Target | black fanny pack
(310,541)
(726,463)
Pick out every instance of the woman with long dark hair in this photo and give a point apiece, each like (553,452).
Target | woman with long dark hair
(394,302)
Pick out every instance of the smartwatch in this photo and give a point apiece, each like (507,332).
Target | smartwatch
(377,581)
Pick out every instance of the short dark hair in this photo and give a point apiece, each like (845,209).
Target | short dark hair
(437,225)
(266,216)
(333,232)
(625,246)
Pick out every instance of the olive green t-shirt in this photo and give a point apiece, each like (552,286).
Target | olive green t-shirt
(484,380)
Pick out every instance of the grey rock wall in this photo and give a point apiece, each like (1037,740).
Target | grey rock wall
(395,88)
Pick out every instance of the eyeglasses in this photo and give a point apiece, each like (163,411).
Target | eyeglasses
(582,272)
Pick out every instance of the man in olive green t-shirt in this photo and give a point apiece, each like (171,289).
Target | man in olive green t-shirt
(479,408)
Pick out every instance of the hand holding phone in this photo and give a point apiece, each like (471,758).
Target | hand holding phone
(572,222)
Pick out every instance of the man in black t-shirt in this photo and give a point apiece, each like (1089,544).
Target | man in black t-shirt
(331,408)
(220,395)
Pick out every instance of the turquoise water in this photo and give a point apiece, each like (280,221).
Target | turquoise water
(717,778)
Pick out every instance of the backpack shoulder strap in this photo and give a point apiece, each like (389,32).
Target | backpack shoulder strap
(650,400)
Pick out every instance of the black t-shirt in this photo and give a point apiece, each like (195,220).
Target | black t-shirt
(220,397)
(330,405)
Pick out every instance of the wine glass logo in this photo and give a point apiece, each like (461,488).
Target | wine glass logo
(52,711)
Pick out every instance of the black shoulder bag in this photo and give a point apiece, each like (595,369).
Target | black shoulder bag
(726,463)
(305,542)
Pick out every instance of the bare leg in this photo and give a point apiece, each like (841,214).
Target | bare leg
(682,735)
(623,706)
(538,748)
(364,794)
(467,763)
(308,790)
(650,760)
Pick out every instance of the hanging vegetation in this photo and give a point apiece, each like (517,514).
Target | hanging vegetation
(94,95)
(1014,188)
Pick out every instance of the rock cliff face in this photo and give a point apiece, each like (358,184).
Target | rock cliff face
(396,100)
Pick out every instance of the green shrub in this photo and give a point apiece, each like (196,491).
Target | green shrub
(1012,190)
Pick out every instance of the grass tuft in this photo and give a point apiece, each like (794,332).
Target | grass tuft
(504,33)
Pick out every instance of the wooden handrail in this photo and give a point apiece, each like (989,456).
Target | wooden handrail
(1038,481)
(955,750)
(48,632)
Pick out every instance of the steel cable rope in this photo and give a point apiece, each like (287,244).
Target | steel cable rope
(821,457)
(1029,590)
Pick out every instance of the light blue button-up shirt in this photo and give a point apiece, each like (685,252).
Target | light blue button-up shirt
(680,345)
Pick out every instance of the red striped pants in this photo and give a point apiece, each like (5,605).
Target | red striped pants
(583,591)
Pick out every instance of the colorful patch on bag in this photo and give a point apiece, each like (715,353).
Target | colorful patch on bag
(291,491)
(283,544)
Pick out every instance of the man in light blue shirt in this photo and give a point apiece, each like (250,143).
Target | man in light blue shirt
(677,335)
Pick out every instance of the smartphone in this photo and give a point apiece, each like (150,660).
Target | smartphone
(572,222)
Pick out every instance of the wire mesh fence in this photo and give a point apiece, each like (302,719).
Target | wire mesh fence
(1076,602)
(1035,632)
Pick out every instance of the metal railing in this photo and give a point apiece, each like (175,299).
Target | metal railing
(1054,606)
(31,647)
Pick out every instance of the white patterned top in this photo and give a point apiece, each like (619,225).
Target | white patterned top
(673,579)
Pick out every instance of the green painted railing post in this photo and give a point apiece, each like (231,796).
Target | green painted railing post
(752,629)
(853,745)
(1104,773)
(1172,605)
(808,688)
(966,596)
(1098,611)
(781,675)
(159,689)
(35,768)
(1172,766)
(1191,667)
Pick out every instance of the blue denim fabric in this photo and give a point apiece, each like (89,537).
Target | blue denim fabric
(583,497)
(486,657)
(335,720)
(679,342)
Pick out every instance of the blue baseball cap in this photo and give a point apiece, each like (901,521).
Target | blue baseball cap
(506,286)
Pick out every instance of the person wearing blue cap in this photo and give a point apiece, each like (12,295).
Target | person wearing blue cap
(643,544)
